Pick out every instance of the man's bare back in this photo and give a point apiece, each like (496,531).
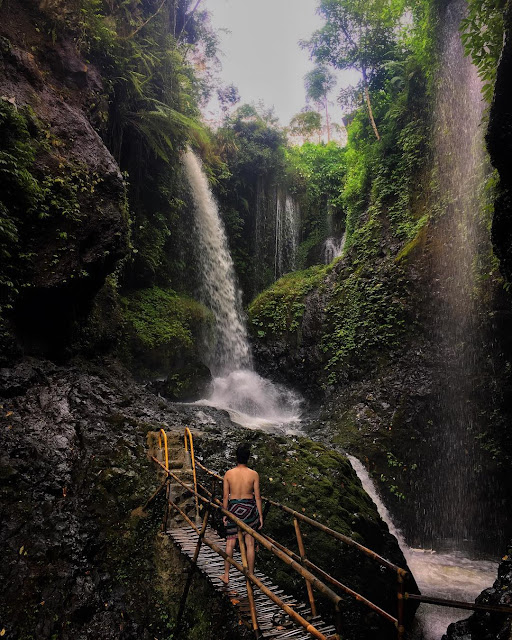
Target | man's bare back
(241,482)
(241,498)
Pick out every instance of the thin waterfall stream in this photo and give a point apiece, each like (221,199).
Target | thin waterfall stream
(446,575)
(250,399)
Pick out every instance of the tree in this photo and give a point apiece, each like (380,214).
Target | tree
(319,82)
(306,124)
(228,96)
(358,34)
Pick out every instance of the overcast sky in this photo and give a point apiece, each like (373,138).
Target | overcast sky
(261,55)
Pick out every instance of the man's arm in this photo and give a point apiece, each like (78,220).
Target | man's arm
(257,497)
(225,497)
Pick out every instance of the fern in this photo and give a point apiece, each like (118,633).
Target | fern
(163,124)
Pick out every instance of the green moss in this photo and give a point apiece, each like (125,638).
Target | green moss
(164,332)
(161,319)
(280,308)
(41,193)
(417,241)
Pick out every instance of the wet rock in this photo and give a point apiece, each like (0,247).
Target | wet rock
(499,143)
(188,383)
(77,564)
(489,626)
(83,233)
(73,466)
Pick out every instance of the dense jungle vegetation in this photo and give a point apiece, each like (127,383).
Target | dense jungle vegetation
(153,58)
(98,257)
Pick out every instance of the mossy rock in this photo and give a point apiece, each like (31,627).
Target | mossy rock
(164,330)
(319,482)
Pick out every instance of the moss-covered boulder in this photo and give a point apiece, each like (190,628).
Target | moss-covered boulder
(313,479)
(165,333)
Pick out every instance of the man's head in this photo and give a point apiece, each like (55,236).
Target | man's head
(243,452)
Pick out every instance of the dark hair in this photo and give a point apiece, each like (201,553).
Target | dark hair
(243,452)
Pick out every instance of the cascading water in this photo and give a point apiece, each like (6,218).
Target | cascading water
(250,399)
(231,349)
(445,575)
(453,513)
(286,234)
(333,248)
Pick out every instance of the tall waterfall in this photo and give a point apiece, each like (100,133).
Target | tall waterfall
(286,234)
(250,399)
(231,350)
(461,166)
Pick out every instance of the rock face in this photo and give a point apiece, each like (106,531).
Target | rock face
(73,466)
(77,559)
(499,142)
(488,626)
(77,230)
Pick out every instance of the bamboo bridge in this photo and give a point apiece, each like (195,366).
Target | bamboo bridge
(261,605)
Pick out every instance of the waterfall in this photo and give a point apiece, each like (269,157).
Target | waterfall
(333,248)
(461,165)
(286,234)
(231,349)
(442,575)
(250,399)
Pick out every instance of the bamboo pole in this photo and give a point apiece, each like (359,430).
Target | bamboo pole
(338,584)
(302,552)
(261,586)
(166,450)
(321,527)
(337,621)
(400,608)
(442,602)
(192,462)
(339,536)
(250,594)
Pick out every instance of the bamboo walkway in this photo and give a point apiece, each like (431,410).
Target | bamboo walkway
(273,623)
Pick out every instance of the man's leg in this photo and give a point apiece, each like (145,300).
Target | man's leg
(230,545)
(249,545)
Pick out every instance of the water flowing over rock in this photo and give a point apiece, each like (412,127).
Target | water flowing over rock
(461,165)
(333,248)
(231,350)
(256,402)
(276,233)
(444,575)
(251,400)
(286,234)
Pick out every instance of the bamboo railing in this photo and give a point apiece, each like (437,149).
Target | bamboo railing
(398,621)
(299,563)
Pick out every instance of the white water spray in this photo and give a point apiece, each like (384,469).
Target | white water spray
(250,399)
(333,248)
(443,575)
(286,234)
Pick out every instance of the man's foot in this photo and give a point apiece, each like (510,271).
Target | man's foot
(225,579)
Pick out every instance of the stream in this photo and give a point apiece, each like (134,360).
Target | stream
(446,574)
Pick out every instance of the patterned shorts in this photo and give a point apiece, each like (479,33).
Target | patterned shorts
(245,510)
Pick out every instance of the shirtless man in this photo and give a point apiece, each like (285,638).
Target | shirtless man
(242,498)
